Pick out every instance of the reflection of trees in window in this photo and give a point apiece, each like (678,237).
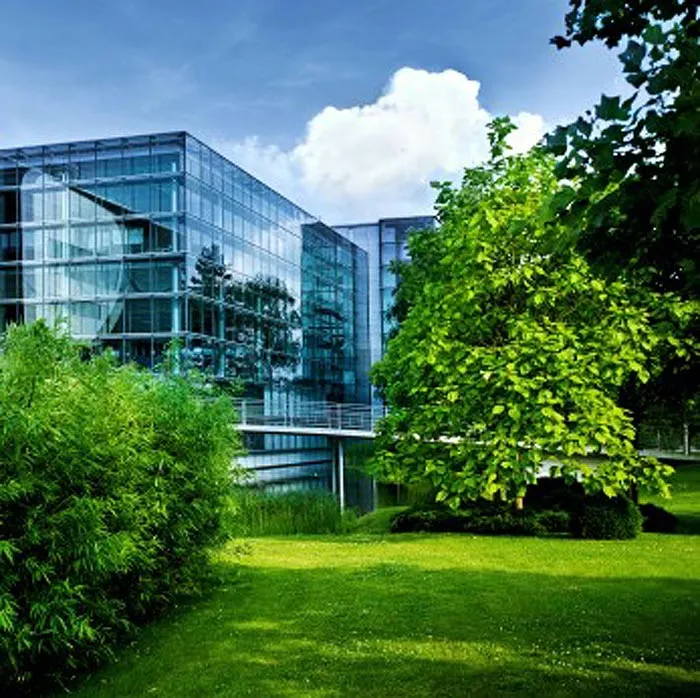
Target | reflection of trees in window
(255,319)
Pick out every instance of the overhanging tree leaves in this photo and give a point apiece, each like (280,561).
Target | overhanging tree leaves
(635,164)
(511,348)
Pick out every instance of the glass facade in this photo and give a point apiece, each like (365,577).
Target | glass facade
(384,242)
(136,241)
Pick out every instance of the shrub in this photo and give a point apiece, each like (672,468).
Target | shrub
(657,519)
(113,484)
(263,513)
(554,493)
(606,518)
(482,517)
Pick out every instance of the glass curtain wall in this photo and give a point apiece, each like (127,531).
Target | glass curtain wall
(136,241)
(384,242)
(93,234)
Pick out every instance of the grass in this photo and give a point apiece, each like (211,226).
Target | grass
(261,513)
(433,615)
(685,503)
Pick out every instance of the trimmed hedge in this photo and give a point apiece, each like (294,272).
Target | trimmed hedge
(551,506)
(606,518)
(555,493)
(486,519)
(114,482)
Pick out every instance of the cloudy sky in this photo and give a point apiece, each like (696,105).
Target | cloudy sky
(348,108)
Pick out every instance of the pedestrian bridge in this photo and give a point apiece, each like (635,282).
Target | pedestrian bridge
(333,419)
(356,420)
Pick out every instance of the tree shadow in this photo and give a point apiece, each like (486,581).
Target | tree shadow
(688,524)
(393,629)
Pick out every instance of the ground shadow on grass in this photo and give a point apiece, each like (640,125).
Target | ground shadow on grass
(398,629)
(689,524)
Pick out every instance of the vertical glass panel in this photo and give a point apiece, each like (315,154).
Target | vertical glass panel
(164,275)
(9,245)
(136,236)
(9,282)
(138,315)
(57,280)
(32,244)
(57,242)
(110,239)
(163,310)
(142,197)
(8,207)
(109,158)
(110,279)
(82,241)
(138,275)
(83,280)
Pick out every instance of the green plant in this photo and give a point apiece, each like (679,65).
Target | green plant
(483,517)
(633,166)
(511,348)
(262,513)
(554,493)
(113,486)
(607,518)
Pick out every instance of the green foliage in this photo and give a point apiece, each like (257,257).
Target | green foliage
(511,348)
(113,484)
(493,520)
(261,513)
(634,166)
(607,518)
(377,521)
(555,493)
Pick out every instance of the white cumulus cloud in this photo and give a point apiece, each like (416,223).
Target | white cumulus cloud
(377,160)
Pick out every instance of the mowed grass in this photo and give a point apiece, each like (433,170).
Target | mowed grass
(433,615)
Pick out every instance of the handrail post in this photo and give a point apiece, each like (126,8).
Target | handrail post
(341,474)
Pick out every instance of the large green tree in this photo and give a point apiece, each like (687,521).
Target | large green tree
(511,349)
(634,163)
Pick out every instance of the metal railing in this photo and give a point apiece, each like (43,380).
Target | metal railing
(331,416)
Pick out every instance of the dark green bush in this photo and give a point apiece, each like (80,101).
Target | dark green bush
(554,493)
(606,518)
(486,518)
(657,519)
(262,513)
(113,484)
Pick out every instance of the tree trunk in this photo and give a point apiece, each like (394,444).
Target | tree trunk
(519,503)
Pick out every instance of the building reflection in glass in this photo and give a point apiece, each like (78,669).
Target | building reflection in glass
(137,241)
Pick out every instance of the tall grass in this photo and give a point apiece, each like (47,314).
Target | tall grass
(263,513)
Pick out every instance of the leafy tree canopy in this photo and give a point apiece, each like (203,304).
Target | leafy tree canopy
(511,348)
(634,163)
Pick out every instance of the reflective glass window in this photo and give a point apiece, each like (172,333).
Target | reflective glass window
(10,283)
(138,277)
(163,309)
(110,278)
(138,315)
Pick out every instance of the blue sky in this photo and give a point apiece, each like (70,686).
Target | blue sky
(253,77)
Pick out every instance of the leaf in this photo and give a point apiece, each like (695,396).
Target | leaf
(498,409)
(654,34)
(563,198)
(610,109)
(633,56)
(556,142)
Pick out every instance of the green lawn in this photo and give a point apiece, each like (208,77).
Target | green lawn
(441,615)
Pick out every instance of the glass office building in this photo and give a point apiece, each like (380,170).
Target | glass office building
(384,242)
(137,241)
